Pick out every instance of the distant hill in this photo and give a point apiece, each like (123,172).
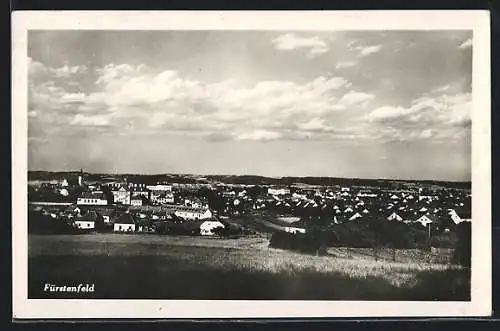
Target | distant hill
(252,180)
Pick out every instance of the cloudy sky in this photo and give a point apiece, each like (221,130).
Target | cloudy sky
(392,104)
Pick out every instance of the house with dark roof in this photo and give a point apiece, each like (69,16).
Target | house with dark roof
(125,223)
(394,217)
(426,219)
(87,222)
(92,198)
(460,215)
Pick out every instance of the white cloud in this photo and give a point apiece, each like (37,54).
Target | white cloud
(67,71)
(36,68)
(288,42)
(443,88)
(353,98)
(314,124)
(443,117)
(466,44)
(427,133)
(259,135)
(316,51)
(367,50)
(219,105)
(98,120)
(388,112)
(73,97)
(137,98)
(345,64)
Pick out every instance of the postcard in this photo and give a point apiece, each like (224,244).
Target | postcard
(190,165)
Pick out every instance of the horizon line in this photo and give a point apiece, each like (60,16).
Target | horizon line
(249,175)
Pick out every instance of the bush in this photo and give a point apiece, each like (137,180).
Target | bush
(43,224)
(310,243)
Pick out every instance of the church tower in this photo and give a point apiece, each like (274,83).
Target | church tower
(80,178)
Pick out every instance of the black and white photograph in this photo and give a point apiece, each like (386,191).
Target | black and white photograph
(233,162)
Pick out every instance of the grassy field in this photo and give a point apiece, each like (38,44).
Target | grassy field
(166,267)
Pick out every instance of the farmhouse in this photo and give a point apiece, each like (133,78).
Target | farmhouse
(124,223)
(95,199)
(87,221)
(207,227)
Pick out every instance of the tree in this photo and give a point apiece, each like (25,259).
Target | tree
(463,246)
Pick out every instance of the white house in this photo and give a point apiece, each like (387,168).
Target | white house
(394,217)
(207,227)
(193,213)
(138,192)
(162,198)
(280,191)
(424,220)
(136,201)
(160,188)
(161,194)
(95,199)
(355,216)
(86,222)
(298,196)
(456,218)
(294,230)
(367,195)
(122,196)
(124,224)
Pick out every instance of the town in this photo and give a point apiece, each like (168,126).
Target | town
(96,203)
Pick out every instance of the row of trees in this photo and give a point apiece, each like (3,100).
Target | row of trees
(376,235)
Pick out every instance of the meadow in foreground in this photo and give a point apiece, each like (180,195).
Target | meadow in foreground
(157,267)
